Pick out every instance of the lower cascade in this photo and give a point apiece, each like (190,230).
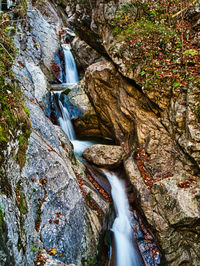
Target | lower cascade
(63,116)
(122,227)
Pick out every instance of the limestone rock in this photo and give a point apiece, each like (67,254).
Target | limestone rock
(43,204)
(172,210)
(80,15)
(165,99)
(157,161)
(107,156)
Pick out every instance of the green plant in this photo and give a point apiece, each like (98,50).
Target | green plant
(34,249)
(21,199)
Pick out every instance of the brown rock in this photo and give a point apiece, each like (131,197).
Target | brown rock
(107,156)
(87,125)
(84,54)
(157,166)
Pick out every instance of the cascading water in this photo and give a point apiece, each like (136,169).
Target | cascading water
(71,73)
(62,113)
(71,77)
(63,116)
(125,251)
(126,254)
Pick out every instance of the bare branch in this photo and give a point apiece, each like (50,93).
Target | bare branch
(184,9)
(6,50)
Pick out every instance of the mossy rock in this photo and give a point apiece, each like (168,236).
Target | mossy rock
(14,115)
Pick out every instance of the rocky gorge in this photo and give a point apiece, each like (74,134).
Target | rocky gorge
(54,209)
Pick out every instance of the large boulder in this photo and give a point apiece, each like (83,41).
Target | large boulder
(107,156)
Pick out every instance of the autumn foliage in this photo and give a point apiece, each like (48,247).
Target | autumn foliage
(160,44)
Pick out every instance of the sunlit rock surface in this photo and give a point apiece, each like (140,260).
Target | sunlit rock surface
(107,156)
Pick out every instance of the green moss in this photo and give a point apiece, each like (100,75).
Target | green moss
(75,161)
(1,221)
(21,199)
(14,115)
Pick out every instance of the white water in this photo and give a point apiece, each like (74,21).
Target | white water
(64,120)
(71,73)
(126,254)
(124,249)
(71,77)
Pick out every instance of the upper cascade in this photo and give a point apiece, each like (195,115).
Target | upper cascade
(71,73)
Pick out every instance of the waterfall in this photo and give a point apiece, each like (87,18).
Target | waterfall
(71,77)
(71,74)
(126,254)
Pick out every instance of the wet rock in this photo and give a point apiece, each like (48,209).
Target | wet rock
(107,156)
(99,176)
(171,208)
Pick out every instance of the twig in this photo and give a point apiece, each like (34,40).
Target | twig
(6,50)
(11,20)
(184,9)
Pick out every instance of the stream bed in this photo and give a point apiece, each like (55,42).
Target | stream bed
(126,229)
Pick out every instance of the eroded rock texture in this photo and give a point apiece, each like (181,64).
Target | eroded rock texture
(50,203)
(156,127)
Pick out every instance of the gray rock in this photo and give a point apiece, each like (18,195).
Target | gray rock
(87,125)
(48,184)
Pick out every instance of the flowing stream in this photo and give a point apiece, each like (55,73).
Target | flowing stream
(126,254)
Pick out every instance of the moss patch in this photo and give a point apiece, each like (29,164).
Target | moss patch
(1,221)
(21,199)
(14,116)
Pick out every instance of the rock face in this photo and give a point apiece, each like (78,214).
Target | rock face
(106,156)
(49,203)
(170,101)
(156,126)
